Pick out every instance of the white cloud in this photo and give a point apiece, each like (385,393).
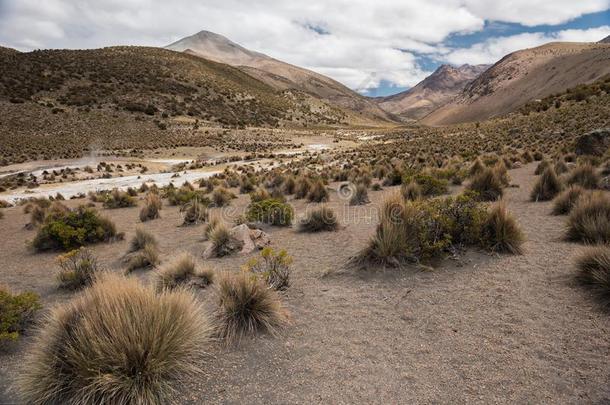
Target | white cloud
(360,46)
(494,49)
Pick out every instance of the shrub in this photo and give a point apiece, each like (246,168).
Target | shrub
(184,195)
(360,196)
(542,166)
(487,185)
(477,167)
(152,206)
(270,211)
(302,187)
(589,220)
(273,267)
(318,192)
(259,194)
(78,269)
(193,213)
(214,221)
(223,244)
(180,271)
(565,201)
(501,232)
(141,239)
(411,191)
(561,167)
(221,197)
(118,199)
(501,173)
(119,342)
(72,229)
(16,312)
(429,185)
(594,272)
(245,306)
(289,185)
(547,186)
(321,219)
(585,176)
(142,259)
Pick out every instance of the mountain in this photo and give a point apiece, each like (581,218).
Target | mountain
(431,93)
(605,40)
(279,75)
(523,76)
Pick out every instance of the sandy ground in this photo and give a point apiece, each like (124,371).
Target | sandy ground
(481,329)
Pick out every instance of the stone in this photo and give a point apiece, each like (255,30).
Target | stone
(594,143)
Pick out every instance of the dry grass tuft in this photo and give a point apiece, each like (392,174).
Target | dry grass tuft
(563,204)
(589,220)
(487,185)
(246,306)
(584,175)
(501,232)
(594,272)
(181,270)
(119,342)
(320,219)
(547,186)
(152,207)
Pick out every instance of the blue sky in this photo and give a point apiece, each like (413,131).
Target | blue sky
(493,29)
(376,48)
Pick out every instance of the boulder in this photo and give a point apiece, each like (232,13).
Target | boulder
(594,143)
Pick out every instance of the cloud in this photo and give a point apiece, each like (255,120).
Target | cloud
(493,49)
(358,42)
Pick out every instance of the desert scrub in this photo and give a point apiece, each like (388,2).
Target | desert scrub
(564,202)
(501,232)
(428,184)
(273,267)
(413,231)
(302,187)
(594,272)
(411,191)
(223,243)
(487,185)
(547,186)
(152,207)
(259,194)
(184,195)
(319,219)
(78,269)
(180,271)
(221,197)
(318,192)
(245,305)
(71,229)
(589,220)
(118,199)
(193,212)
(584,175)
(16,312)
(360,195)
(118,343)
(270,211)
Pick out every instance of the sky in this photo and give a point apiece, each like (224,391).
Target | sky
(376,48)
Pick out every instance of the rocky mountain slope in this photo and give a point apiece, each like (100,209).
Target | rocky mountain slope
(523,76)
(279,75)
(431,93)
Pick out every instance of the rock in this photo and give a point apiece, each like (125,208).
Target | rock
(594,143)
(517,165)
(242,234)
(260,238)
(244,240)
(604,183)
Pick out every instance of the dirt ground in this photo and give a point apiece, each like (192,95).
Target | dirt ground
(479,329)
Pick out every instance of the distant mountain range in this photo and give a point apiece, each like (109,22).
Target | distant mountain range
(433,92)
(279,75)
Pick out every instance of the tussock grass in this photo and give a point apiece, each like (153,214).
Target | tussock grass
(584,175)
(152,207)
(318,192)
(589,220)
(501,232)
(182,269)
(547,186)
(320,219)
(119,342)
(246,306)
(564,202)
(487,185)
(594,272)
(411,191)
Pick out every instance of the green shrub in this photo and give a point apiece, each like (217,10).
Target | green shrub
(16,312)
(273,267)
(270,211)
(184,195)
(429,185)
(72,229)
(118,199)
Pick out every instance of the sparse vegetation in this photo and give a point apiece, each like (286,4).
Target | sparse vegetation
(16,313)
(273,267)
(270,211)
(319,219)
(78,269)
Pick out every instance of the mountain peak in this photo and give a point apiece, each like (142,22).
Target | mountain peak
(605,40)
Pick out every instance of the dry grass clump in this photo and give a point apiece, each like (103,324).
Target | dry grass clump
(584,175)
(246,306)
(487,185)
(360,195)
(259,194)
(302,187)
(501,232)
(152,207)
(117,343)
(318,192)
(547,186)
(542,166)
(193,213)
(320,219)
(209,227)
(561,167)
(589,220)
(594,272)
(221,197)
(78,269)
(141,239)
(223,244)
(411,191)
(564,202)
(476,168)
(180,271)
(143,259)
